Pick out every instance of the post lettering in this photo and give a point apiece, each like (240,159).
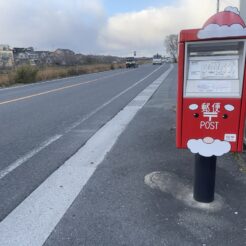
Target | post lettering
(209,125)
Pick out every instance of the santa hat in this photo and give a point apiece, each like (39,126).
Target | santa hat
(227,23)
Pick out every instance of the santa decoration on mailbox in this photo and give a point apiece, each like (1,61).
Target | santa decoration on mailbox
(211,86)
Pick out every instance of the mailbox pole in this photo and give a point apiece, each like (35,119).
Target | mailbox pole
(204,178)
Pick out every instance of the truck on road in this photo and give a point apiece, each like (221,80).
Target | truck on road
(131,62)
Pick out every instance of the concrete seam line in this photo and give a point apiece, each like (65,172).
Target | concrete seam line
(36,217)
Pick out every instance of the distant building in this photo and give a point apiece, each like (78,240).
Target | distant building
(64,52)
(29,56)
(6,57)
(64,57)
(4,47)
(20,56)
(44,57)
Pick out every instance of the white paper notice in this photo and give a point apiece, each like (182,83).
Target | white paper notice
(213,69)
(213,86)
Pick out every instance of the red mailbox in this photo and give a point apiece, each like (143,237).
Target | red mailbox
(212,86)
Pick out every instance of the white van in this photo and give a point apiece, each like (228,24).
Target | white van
(157,60)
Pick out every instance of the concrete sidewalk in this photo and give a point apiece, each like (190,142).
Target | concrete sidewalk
(142,192)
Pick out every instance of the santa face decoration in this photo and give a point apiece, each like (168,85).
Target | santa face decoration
(211,90)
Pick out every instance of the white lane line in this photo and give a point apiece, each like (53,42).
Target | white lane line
(108,102)
(45,144)
(28,156)
(36,217)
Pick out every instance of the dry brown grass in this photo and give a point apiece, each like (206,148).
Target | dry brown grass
(3,78)
(6,79)
(51,73)
(48,73)
(61,72)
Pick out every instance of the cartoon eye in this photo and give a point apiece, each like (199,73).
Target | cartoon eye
(229,107)
(193,107)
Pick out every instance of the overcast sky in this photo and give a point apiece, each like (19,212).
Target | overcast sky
(101,26)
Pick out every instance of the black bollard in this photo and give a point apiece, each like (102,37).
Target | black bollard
(204,180)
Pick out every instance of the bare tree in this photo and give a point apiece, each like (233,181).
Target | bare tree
(171,44)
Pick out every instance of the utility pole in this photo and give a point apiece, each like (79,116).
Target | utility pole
(218,5)
(243,9)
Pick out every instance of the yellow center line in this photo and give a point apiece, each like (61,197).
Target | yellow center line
(43,93)
(55,90)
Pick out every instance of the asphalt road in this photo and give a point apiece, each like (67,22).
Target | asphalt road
(43,124)
(139,193)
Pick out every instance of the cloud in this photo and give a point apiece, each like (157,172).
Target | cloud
(92,6)
(145,30)
(217,147)
(52,24)
(83,26)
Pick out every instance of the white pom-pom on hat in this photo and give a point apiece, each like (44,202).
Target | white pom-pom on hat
(232,9)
